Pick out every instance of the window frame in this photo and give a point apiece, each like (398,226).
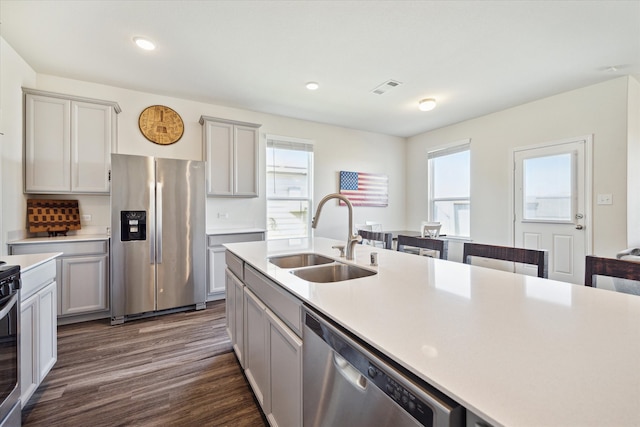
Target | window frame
(295,144)
(442,151)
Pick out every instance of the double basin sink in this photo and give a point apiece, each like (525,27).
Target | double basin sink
(319,269)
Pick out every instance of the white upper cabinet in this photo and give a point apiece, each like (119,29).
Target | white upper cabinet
(231,153)
(68,142)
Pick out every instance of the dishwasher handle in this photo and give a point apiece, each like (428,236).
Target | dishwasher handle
(349,373)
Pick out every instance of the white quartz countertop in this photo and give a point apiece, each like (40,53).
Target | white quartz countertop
(516,350)
(76,238)
(27,262)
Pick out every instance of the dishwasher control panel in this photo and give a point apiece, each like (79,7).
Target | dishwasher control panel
(401,395)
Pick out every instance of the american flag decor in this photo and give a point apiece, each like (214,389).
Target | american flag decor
(365,189)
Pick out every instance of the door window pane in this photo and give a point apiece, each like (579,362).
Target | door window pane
(547,188)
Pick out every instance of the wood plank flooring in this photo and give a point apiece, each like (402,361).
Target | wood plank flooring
(172,370)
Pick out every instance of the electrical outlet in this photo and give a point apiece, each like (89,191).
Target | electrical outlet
(605,199)
(223,215)
(86,218)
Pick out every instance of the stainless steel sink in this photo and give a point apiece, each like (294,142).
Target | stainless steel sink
(332,273)
(299,260)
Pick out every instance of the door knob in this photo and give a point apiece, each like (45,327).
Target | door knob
(579,226)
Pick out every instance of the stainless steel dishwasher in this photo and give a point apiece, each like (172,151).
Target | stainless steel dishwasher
(347,385)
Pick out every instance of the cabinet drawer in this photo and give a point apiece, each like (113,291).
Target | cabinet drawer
(282,303)
(68,248)
(234,264)
(219,239)
(36,278)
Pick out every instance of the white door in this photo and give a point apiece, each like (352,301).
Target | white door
(550,205)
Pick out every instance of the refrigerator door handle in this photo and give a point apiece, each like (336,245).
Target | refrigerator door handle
(152,225)
(159,221)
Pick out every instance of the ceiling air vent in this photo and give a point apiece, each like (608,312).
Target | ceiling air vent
(386,86)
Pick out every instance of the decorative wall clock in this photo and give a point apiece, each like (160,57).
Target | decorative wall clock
(161,124)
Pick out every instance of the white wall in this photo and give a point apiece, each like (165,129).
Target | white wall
(335,149)
(600,110)
(633,164)
(14,73)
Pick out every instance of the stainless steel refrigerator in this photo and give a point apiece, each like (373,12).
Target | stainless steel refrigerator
(158,236)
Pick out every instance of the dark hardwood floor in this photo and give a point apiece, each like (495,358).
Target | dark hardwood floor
(172,370)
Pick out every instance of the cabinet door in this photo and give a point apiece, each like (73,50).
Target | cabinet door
(29,371)
(219,147)
(285,374)
(48,330)
(229,304)
(245,161)
(255,355)
(217,266)
(47,144)
(91,139)
(238,323)
(84,285)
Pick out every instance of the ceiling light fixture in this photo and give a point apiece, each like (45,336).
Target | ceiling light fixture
(312,86)
(427,104)
(143,43)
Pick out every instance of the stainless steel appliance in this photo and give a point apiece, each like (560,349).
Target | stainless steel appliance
(10,406)
(158,242)
(347,385)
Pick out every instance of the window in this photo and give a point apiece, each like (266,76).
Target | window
(289,187)
(449,189)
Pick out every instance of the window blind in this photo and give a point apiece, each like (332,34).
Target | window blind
(449,150)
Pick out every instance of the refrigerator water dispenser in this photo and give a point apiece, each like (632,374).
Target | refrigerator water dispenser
(133,225)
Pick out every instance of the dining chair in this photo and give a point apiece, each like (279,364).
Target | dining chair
(430,229)
(406,243)
(629,271)
(375,226)
(539,257)
(376,238)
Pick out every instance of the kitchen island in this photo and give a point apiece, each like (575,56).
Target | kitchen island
(515,350)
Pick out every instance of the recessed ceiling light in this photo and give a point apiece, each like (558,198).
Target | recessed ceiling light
(427,104)
(143,43)
(312,86)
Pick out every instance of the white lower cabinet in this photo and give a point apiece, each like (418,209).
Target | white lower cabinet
(235,314)
(216,259)
(38,329)
(264,325)
(82,276)
(255,360)
(273,363)
(84,287)
(284,354)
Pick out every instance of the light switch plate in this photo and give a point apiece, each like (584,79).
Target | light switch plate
(605,199)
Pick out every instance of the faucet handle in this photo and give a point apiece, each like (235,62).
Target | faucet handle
(341,248)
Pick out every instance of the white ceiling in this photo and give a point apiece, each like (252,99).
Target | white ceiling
(474,57)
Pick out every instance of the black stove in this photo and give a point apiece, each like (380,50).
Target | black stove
(9,281)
